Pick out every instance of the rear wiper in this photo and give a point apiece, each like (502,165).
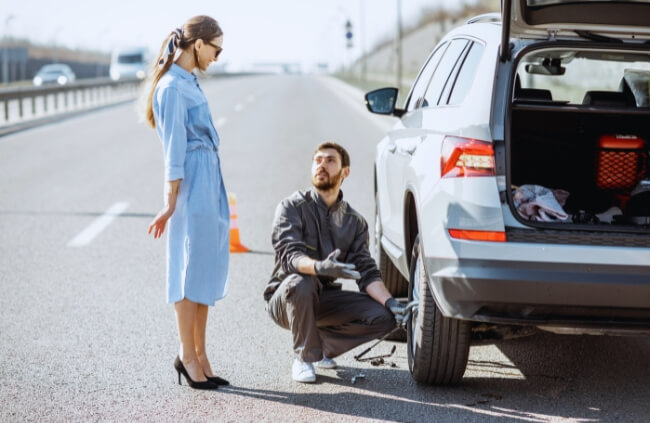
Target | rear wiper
(597,37)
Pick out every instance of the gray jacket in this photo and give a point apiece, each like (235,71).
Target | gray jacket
(304,226)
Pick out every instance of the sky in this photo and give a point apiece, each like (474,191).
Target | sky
(255,31)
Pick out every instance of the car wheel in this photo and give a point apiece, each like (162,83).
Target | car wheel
(437,346)
(396,284)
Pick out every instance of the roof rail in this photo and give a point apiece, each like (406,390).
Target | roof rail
(486,17)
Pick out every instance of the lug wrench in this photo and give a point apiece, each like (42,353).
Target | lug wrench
(408,313)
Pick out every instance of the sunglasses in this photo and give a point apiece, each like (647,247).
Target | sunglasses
(217,48)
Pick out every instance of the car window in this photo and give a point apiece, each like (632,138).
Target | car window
(466,75)
(130,58)
(443,72)
(420,86)
(452,76)
(583,77)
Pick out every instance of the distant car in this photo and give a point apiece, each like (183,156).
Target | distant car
(54,74)
(129,63)
(514,189)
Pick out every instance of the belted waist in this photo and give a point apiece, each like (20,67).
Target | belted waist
(200,145)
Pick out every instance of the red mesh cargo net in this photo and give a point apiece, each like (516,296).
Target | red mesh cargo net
(620,162)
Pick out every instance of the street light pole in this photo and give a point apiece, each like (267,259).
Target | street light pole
(362,39)
(398,44)
(5,51)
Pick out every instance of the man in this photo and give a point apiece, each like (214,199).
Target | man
(312,231)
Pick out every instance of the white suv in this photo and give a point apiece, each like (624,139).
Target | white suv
(514,189)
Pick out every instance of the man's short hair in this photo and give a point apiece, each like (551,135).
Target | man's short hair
(345,157)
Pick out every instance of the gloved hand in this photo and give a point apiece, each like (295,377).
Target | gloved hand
(398,309)
(332,268)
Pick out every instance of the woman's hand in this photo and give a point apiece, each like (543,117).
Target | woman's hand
(160,221)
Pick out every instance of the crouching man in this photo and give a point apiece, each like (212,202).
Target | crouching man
(319,238)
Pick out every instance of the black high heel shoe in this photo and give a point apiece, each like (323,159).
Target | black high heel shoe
(217,380)
(178,365)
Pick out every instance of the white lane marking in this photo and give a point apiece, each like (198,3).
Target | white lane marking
(239,107)
(220,122)
(250,98)
(86,236)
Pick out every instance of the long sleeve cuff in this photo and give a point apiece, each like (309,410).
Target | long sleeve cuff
(175,172)
(367,279)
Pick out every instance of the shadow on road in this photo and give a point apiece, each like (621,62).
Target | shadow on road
(568,378)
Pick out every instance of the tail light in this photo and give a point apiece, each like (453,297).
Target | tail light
(471,235)
(463,158)
(466,157)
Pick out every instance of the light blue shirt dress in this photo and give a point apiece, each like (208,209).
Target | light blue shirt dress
(198,241)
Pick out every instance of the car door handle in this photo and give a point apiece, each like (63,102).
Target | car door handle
(391,148)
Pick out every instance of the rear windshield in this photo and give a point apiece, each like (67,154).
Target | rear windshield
(584,77)
(130,58)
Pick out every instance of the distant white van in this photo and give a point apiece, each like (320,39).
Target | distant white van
(129,63)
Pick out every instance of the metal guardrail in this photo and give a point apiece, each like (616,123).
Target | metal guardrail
(28,106)
(45,100)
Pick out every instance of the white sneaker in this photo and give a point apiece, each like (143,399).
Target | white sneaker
(303,372)
(326,363)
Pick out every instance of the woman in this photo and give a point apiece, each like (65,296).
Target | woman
(196,202)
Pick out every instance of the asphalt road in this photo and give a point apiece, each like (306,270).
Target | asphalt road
(85,334)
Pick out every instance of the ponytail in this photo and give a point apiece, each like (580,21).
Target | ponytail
(160,67)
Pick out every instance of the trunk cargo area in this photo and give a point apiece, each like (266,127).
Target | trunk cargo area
(598,157)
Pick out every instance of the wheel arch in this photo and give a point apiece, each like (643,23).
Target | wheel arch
(411,225)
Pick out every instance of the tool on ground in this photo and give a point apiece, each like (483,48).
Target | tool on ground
(408,313)
(358,376)
(374,359)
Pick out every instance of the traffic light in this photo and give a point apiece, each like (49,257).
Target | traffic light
(348,34)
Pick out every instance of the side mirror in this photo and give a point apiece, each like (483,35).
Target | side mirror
(382,101)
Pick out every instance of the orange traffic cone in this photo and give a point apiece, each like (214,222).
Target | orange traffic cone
(235,244)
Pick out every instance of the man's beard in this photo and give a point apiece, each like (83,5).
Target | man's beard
(329,183)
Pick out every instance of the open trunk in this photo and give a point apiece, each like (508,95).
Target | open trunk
(565,147)
(579,138)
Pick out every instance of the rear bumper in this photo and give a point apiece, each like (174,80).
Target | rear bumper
(564,295)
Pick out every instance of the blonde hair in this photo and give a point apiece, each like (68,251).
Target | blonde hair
(197,28)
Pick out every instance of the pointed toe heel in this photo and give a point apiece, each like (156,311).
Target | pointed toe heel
(180,368)
(217,380)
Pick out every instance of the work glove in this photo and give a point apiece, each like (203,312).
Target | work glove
(332,268)
(398,309)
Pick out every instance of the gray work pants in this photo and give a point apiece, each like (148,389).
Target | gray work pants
(326,322)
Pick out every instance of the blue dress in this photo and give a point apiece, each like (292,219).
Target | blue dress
(198,243)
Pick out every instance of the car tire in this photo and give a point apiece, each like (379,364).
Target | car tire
(396,284)
(437,346)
